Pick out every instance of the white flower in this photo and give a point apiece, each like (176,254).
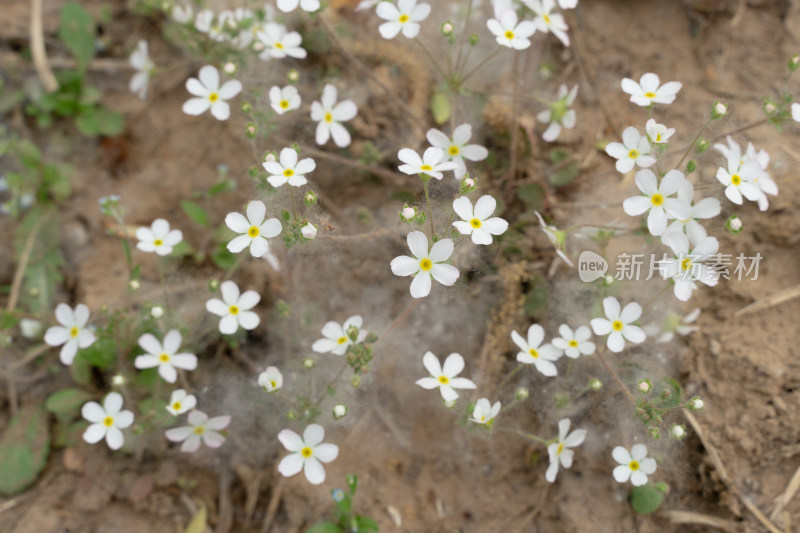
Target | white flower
(203,21)
(290,5)
(367,4)
(72,332)
(200,428)
(657,199)
(457,149)
(532,351)
(289,170)
(164,355)
(140,61)
(234,309)
(677,324)
(157,311)
(484,412)
(444,377)
(704,209)
(556,237)
(634,465)
(337,337)
(559,115)
(271,379)
(632,151)
(658,133)
(425,265)
(278,42)
(181,402)
(739,179)
(308,453)
(574,343)
(796,112)
(509,32)
(764,181)
(309,231)
(547,21)
(340,411)
(106,421)
(209,94)
(330,115)
(619,324)
(687,265)
(567,4)
(158,237)
(477,222)
(182,14)
(648,92)
(285,99)
(431,163)
(254,229)
(405,16)
(560,452)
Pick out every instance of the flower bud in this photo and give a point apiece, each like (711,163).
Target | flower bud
(251,130)
(734,224)
(309,231)
(340,411)
(696,404)
(654,433)
(408,213)
(291,415)
(447,28)
(608,280)
(521,394)
(247,108)
(308,363)
(229,68)
(118,380)
(30,328)
(645,386)
(467,185)
(134,285)
(310,198)
(595,384)
(258,46)
(355,381)
(157,311)
(213,285)
(293,76)
(677,431)
(793,62)
(450,404)
(473,39)
(769,108)
(269,157)
(719,110)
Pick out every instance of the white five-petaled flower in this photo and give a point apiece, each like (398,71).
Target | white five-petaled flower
(559,115)
(254,229)
(180,402)
(444,377)
(140,61)
(329,115)
(657,199)
(657,133)
(278,42)
(547,21)
(556,237)
(425,265)
(678,324)
(574,343)
(560,452)
(158,238)
(164,355)
(618,325)
(484,412)
(509,32)
(703,209)
(284,99)
(764,181)
(648,91)
(634,464)
(290,5)
(308,453)
(457,149)
(476,222)
(200,429)
(687,265)
(289,170)
(209,95)
(337,337)
(739,179)
(404,16)
(532,351)
(72,332)
(432,162)
(271,379)
(106,421)
(234,308)
(182,14)
(631,152)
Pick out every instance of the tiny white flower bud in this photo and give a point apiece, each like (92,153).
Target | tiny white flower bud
(269,157)
(696,404)
(521,394)
(258,46)
(118,380)
(339,411)
(609,279)
(769,108)
(720,108)
(409,213)
(447,28)
(229,68)
(678,431)
(308,363)
(469,182)
(293,75)
(134,284)
(645,386)
(595,384)
(30,328)
(309,231)
(157,311)
(736,224)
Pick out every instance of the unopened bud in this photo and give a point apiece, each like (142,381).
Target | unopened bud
(213,285)
(339,411)
(247,107)
(355,381)
(595,384)
(408,214)
(134,284)
(258,46)
(308,363)
(696,404)
(310,198)
(645,386)
(157,311)
(677,431)
(719,110)
(521,394)
(608,280)
(293,76)
(794,62)
(229,68)
(447,28)
(769,108)
(734,224)
(118,380)
(251,130)
(269,157)
(654,433)
(450,404)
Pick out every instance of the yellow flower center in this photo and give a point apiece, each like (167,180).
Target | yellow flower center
(475,223)
(254,231)
(658,137)
(633,154)
(213,97)
(73,331)
(426,264)
(199,430)
(444,380)
(649,94)
(284,104)
(272,383)
(534,353)
(108,421)
(546,18)
(176,406)
(657,199)
(633,465)
(288,172)
(736,179)
(573,343)
(158,242)
(164,358)
(403,19)
(455,150)
(509,35)
(686,264)
(306,452)
(560,448)
(279,46)
(328,117)
(617,325)
(341,340)
(233,310)
(426,168)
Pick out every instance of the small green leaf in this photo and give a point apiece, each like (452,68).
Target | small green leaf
(195,212)
(101,354)
(77,32)
(365,525)
(647,498)
(66,403)
(440,107)
(221,187)
(324,527)
(23,450)
(99,121)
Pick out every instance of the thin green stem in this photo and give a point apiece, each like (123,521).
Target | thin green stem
(479,65)
(463,36)
(431,58)
(530,436)
(430,208)
(743,128)
(600,226)
(694,142)
(615,377)
(234,267)
(329,384)
(294,207)
(508,377)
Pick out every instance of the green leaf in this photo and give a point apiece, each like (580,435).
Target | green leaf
(532,194)
(648,498)
(199,521)
(76,31)
(366,524)
(66,403)
(222,186)
(101,354)
(195,212)
(440,107)
(324,527)
(100,121)
(80,369)
(23,450)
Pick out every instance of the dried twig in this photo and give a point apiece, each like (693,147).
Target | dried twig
(688,517)
(770,301)
(272,508)
(37,49)
(784,499)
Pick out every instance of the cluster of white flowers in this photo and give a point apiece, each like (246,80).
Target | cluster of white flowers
(511,32)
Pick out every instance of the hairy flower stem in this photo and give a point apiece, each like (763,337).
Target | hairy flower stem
(294,207)
(508,377)
(430,209)
(616,377)
(743,128)
(463,36)
(530,436)
(432,60)
(479,65)
(694,142)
